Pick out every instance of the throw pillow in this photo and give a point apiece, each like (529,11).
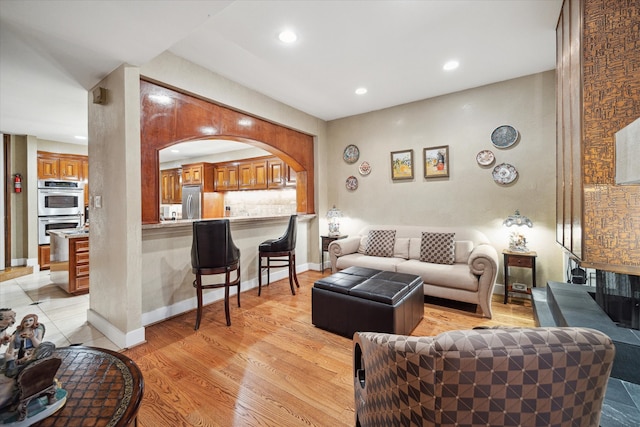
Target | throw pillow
(437,248)
(380,243)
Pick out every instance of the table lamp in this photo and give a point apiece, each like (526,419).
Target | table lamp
(334,223)
(517,240)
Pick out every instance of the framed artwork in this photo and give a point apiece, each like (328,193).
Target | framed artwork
(436,162)
(402,165)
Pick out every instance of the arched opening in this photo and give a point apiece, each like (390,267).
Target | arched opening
(169,117)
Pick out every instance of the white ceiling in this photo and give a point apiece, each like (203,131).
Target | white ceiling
(52,52)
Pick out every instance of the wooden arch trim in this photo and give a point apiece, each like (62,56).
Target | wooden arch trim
(169,117)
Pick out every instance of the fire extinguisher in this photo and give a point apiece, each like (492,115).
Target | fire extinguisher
(17,183)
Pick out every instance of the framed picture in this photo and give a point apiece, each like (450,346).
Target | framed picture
(402,165)
(436,162)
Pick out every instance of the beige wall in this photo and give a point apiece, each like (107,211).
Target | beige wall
(115,240)
(62,147)
(463,121)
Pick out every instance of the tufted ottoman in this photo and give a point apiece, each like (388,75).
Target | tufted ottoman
(364,299)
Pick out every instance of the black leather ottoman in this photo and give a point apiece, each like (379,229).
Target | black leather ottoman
(364,299)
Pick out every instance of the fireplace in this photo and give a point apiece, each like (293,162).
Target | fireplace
(619,296)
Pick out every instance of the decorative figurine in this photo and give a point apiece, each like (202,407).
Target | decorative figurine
(29,391)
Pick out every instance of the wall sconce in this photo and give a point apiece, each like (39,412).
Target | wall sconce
(517,240)
(334,223)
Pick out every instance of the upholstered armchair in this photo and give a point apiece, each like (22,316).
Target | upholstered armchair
(502,376)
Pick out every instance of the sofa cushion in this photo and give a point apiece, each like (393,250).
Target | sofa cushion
(463,250)
(376,262)
(380,243)
(455,276)
(437,248)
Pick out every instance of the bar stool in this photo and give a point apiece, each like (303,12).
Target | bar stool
(275,250)
(213,252)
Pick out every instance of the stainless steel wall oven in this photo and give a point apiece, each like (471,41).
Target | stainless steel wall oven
(60,205)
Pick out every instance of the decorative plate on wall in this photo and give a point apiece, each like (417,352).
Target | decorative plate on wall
(364,168)
(352,183)
(504,173)
(351,154)
(485,158)
(504,136)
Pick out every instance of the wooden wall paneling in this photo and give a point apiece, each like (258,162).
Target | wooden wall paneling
(181,117)
(575,87)
(598,80)
(560,183)
(611,88)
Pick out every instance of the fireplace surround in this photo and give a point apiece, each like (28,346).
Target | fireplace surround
(565,304)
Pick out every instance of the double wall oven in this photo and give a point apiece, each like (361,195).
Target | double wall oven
(60,206)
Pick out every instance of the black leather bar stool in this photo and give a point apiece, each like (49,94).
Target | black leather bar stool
(275,251)
(213,252)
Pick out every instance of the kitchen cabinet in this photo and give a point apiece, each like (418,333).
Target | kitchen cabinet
(291,177)
(276,171)
(84,177)
(199,174)
(261,173)
(252,175)
(67,167)
(70,260)
(171,186)
(226,177)
(44,256)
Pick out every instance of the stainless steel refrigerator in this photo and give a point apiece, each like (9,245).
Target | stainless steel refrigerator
(191,197)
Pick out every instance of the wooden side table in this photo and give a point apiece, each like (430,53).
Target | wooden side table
(326,240)
(518,259)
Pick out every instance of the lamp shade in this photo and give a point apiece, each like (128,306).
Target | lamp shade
(517,219)
(334,213)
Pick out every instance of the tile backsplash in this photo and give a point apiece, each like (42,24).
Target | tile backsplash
(261,202)
(248,203)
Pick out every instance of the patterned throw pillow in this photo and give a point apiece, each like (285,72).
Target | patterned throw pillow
(380,243)
(437,248)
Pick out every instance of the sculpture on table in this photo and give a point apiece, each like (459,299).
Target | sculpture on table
(27,372)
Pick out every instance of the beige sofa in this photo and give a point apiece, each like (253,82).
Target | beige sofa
(468,275)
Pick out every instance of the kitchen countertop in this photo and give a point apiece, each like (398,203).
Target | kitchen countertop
(234,220)
(70,233)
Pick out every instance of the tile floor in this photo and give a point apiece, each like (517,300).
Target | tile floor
(64,315)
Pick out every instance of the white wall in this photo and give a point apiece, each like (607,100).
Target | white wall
(463,121)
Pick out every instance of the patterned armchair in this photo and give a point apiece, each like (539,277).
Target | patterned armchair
(502,376)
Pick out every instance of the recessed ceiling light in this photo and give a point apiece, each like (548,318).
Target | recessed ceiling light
(287,36)
(361,91)
(450,65)
(84,138)
(175,151)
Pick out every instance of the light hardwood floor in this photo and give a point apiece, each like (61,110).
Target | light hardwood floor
(271,367)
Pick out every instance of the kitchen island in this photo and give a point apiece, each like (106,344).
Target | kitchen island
(70,260)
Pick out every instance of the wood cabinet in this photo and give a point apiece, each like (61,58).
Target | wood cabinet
(79,265)
(44,256)
(84,177)
(276,173)
(226,177)
(48,167)
(260,173)
(252,175)
(199,174)
(67,167)
(171,191)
